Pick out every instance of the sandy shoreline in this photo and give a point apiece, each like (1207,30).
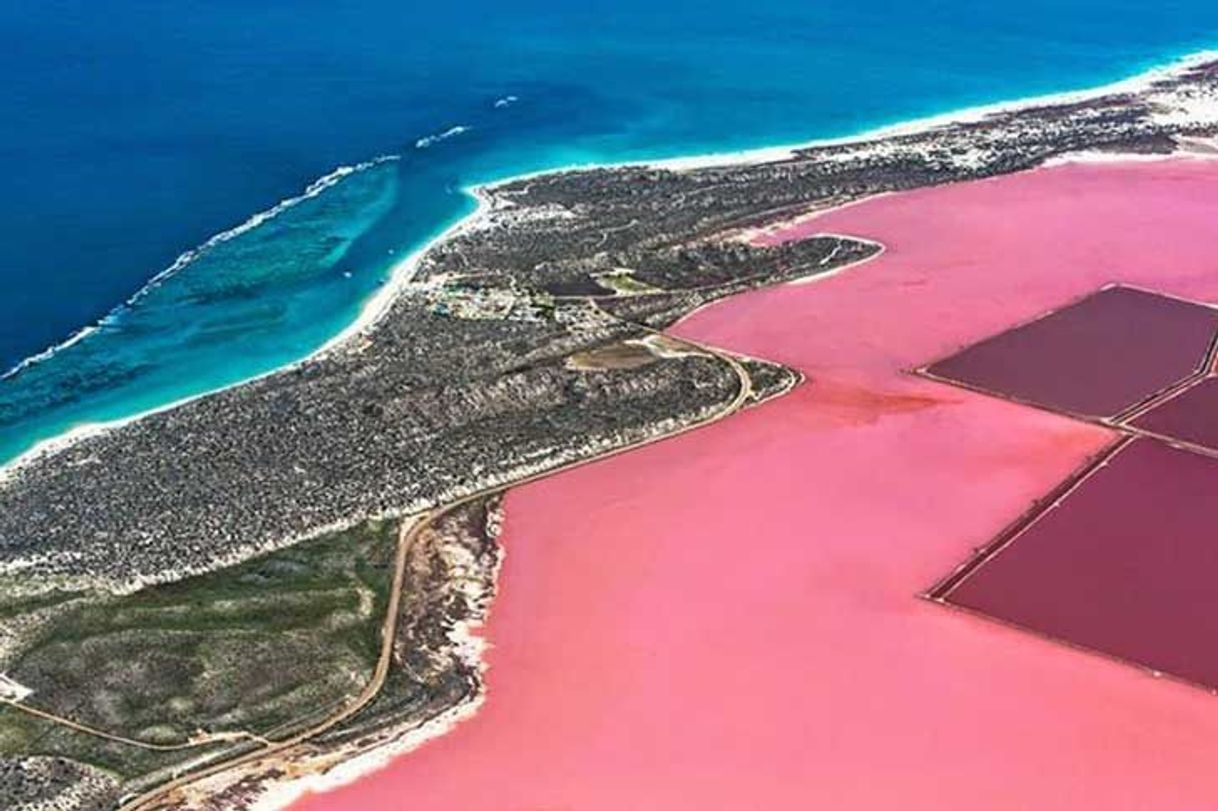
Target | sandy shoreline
(799,227)
(372,310)
(616,686)
(402,272)
(837,219)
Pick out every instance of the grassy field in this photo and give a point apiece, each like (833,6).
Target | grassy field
(254,648)
(22,734)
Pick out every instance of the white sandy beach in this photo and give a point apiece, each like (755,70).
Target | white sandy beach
(402,272)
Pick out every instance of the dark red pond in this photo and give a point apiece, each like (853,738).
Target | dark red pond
(1126,564)
(1191,416)
(1097,357)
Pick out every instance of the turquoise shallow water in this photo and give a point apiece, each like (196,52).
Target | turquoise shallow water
(138,130)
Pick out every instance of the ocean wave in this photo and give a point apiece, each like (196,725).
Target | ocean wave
(50,351)
(451,132)
(506,101)
(186,258)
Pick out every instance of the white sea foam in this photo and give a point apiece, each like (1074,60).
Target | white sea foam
(1175,105)
(74,338)
(399,275)
(404,271)
(506,101)
(312,190)
(187,257)
(431,140)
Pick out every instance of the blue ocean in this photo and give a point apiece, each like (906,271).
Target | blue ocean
(195,192)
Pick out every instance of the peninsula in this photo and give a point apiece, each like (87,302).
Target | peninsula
(282,577)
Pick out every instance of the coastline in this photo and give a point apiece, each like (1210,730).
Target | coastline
(186,257)
(863,391)
(400,273)
(963,115)
(133,492)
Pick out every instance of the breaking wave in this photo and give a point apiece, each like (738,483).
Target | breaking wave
(187,258)
(430,140)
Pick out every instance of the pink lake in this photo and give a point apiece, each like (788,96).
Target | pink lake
(731,619)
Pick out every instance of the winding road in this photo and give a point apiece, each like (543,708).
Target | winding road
(411,529)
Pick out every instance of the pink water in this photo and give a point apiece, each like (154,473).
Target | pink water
(730,620)
(1090,358)
(1191,415)
(1125,564)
